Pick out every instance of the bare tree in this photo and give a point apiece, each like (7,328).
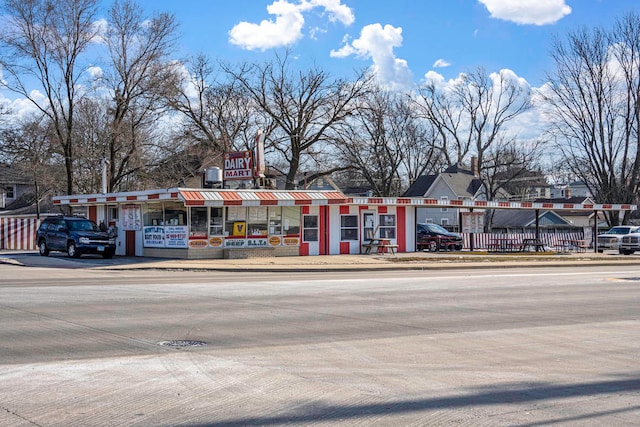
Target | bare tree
(137,78)
(305,107)
(28,147)
(592,98)
(472,116)
(379,140)
(43,41)
(220,115)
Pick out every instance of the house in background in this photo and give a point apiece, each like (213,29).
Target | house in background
(455,183)
(15,187)
(573,189)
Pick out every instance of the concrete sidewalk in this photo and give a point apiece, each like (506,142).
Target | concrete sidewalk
(404,261)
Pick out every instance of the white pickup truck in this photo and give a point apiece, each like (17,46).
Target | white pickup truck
(630,243)
(612,239)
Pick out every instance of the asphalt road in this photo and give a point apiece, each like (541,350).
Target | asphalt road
(517,347)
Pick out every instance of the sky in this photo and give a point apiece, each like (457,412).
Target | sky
(400,40)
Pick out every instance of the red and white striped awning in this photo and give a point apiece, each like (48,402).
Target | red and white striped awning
(206,197)
(260,197)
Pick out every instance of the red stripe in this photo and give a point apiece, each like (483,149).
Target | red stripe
(401,218)
(344,248)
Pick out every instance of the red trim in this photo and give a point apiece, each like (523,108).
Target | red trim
(324,231)
(527,204)
(382,209)
(547,205)
(587,206)
(73,201)
(268,202)
(456,202)
(305,210)
(480,203)
(194,203)
(56,202)
(233,203)
(345,248)
(111,199)
(132,197)
(404,201)
(344,210)
(430,202)
(92,199)
(304,249)
(153,196)
(93,213)
(401,228)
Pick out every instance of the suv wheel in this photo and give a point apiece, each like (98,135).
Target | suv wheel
(107,254)
(433,246)
(72,251)
(42,248)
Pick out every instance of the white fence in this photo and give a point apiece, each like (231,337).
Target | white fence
(482,240)
(18,233)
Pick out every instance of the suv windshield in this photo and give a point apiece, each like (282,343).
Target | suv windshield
(82,225)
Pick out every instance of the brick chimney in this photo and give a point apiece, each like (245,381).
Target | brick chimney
(474,166)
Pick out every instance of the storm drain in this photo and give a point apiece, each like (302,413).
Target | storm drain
(181,343)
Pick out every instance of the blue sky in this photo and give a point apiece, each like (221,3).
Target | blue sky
(401,39)
(404,38)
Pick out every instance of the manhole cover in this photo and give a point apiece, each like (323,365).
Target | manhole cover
(182,343)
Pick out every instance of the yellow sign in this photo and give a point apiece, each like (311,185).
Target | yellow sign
(239,228)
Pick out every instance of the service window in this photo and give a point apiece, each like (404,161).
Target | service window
(291,220)
(348,227)
(198,218)
(387,226)
(310,227)
(275,220)
(216,222)
(175,214)
(235,221)
(153,214)
(257,221)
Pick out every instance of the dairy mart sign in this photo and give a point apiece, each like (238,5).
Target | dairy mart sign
(238,165)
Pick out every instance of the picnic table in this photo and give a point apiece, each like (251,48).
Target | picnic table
(571,245)
(504,244)
(382,246)
(532,243)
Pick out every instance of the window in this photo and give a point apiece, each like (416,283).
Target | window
(236,221)
(275,220)
(310,223)
(387,226)
(198,223)
(216,222)
(153,214)
(444,221)
(444,199)
(291,220)
(348,227)
(175,214)
(257,221)
(10,192)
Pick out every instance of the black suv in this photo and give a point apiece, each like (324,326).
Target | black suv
(435,238)
(75,236)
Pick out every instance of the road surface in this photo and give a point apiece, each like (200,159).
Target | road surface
(517,347)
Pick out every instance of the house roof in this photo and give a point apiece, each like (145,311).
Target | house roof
(13,175)
(526,218)
(463,183)
(420,186)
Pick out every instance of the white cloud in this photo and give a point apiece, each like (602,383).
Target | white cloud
(100,28)
(537,12)
(441,63)
(95,71)
(377,43)
(288,24)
